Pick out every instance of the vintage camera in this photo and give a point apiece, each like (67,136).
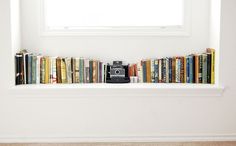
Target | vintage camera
(117,73)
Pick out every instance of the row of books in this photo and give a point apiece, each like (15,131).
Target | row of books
(37,69)
(194,68)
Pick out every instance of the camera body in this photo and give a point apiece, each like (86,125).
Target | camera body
(117,73)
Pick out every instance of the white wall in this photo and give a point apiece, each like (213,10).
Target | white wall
(25,119)
(108,48)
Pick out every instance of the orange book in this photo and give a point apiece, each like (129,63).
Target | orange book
(95,72)
(148,69)
(196,57)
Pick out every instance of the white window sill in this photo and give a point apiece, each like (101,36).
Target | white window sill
(116,90)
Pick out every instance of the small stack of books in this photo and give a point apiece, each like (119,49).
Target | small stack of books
(194,68)
(37,69)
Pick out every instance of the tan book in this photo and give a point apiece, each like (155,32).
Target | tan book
(148,69)
(58,63)
(63,71)
(77,70)
(47,70)
(95,70)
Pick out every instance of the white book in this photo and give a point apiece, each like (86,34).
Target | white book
(167,70)
(68,70)
(54,70)
(140,72)
(86,70)
(38,69)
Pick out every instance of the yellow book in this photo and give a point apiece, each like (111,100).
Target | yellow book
(148,69)
(63,71)
(212,51)
(47,70)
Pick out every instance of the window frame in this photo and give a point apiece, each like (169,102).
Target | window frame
(184,30)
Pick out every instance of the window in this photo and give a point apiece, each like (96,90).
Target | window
(122,16)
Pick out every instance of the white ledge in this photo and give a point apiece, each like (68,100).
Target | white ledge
(116,90)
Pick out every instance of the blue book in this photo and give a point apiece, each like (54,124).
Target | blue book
(170,70)
(30,69)
(191,69)
(187,69)
(144,71)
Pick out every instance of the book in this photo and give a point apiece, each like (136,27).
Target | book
(204,68)
(38,69)
(73,72)
(53,70)
(167,70)
(144,65)
(58,68)
(91,71)
(209,58)
(69,70)
(163,80)
(200,68)
(196,69)
(77,70)
(173,70)
(63,71)
(212,52)
(148,71)
(81,70)
(19,69)
(181,69)
(140,72)
(95,72)
(160,71)
(86,70)
(170,70)
(156,71)
(34,69)
(152,71)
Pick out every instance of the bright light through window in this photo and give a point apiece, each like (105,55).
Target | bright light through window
(117,13)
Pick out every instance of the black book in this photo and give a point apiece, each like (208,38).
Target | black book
(90,71)
(193,70)
(209,68)
(200,68)
(19,69)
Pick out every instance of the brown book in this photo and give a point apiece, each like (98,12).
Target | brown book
(73,63)
(148,69)
(196,57)
(173,70)
(58,63)
(182,70)
(95,72)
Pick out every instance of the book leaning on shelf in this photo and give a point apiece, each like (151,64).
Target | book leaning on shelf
(37,69)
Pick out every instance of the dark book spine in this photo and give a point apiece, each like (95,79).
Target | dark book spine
(100,72)
(193,69)
(188,69)
(26,68)
(156,71)
(209,68)
(170,70)
(81,68)
(200,68)
(58,63)
(163,70)
(182,69)
(19,79)
(144,71)
(30,69)
(90,71)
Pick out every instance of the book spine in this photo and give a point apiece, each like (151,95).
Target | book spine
(160,70)
(148,71)
(200,69)
(140,72)
(173,70)
(152,71)
(103,73)
(170,70)
(63,71)
(73,68)
(156,71)
(185,70)
(167,70)
(34,69)
(38,70)
(181,69)
(58,63)
(81,70)
(54,70)
(86,70)
(100,72)
(209,56)
(77,70)
(47,70)
(19,70)
(177,76)
(30,69)
(163,80)
(191,69)
(94,71)
(26,68)
(68,70)
(42,70)
(144,71)
(196,69)
(212,52)
(204,69)
(90,71)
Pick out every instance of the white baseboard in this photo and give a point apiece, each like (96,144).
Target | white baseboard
(193,138)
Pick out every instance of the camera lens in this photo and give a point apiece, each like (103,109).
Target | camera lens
(117,72)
